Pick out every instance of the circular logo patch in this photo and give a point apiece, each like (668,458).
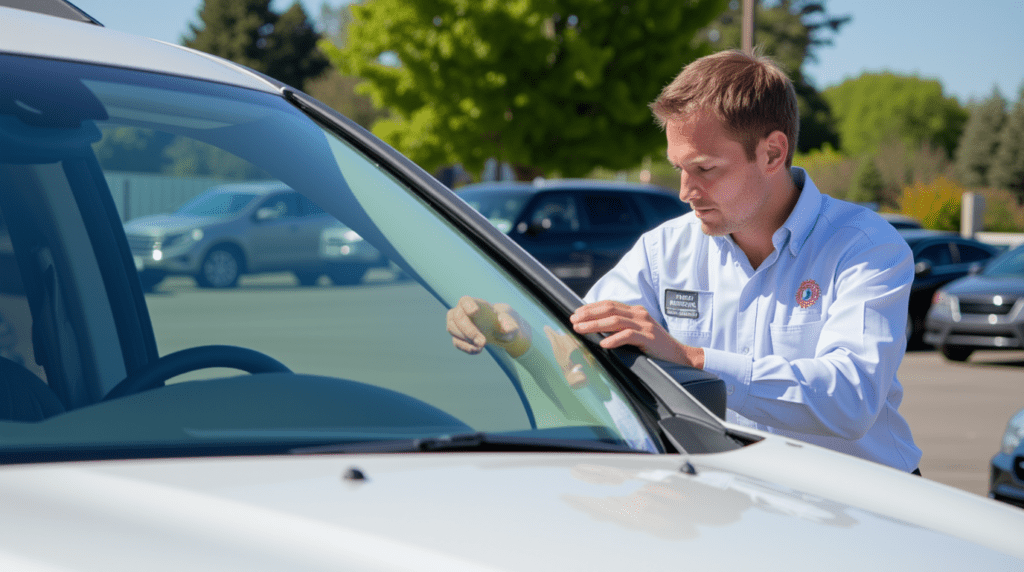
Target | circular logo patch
(808,293)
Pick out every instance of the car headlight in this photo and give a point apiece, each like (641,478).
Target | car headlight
(176,240)
(1014,433)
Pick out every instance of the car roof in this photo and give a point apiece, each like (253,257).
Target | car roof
(540,185)
(915,236)
(41,35)
(250,188)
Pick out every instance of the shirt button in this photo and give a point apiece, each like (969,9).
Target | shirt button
(746,351)
(729,389)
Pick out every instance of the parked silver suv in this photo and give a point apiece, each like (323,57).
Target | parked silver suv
(244,228)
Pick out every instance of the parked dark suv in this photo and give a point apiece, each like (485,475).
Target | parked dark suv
(578,228)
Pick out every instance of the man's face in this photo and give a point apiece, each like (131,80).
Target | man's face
(727,191)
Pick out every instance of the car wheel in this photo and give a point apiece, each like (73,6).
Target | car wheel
(221,269)
(956,353)
(347,275)
(307,278)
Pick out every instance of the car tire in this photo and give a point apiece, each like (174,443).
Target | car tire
(220,269)
(956,353)
(347,275)
(308,278)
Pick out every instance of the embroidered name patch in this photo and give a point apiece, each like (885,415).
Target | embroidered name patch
(681,304)
(808,293)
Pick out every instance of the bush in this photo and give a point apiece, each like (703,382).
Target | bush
(935,204)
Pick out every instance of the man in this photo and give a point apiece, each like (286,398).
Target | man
(796,300)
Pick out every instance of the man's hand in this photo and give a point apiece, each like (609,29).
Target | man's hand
(474,323)
(633,326)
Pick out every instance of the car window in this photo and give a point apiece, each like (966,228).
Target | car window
(355,306)
(658,208)
(280,206)
(554,212)
(608,212)
(971,253)
(936,254)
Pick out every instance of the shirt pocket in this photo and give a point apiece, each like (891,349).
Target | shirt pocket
(692,331)
(795,341)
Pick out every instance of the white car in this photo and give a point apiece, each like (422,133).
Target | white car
(357,437)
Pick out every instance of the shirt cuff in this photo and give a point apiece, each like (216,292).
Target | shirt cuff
(735,370)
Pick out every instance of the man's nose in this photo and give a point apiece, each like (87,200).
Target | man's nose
(688,188)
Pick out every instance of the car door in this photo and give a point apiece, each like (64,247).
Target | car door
(551,230)
(613,224)
(276,234)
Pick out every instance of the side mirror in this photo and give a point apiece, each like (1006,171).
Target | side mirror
(267,213)
(923,268)
(703,386)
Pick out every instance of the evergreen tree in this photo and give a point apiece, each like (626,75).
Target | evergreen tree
(1008,165)
(980,141)
(867,184)
(248,32)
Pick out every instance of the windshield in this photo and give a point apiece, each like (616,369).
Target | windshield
(501,207)
(1007,264)
(216,204)
(345,283)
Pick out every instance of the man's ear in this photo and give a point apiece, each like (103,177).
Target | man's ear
(775,148)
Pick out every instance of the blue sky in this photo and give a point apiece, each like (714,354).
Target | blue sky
(969,46)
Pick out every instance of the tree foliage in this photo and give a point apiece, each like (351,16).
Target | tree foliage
(980,141)
(248,32)
(875,108)
(547,85)
(789,31)
(1008,164)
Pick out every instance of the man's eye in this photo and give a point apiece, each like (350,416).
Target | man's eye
(701,169)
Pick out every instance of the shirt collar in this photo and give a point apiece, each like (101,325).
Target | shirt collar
(804,216)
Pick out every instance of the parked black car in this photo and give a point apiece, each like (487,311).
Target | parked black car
(939,258)
(577,228)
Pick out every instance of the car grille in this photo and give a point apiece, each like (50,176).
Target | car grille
(979,307)
(142,244)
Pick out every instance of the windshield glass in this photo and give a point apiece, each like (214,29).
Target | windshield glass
(1007,264)
(346,282)
(216,204)
(500,207)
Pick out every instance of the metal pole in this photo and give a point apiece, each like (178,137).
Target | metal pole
(747,30)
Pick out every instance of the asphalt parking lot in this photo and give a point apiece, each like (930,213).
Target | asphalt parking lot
(958,411)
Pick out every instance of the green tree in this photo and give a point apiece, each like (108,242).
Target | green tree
(980,141)
(1008,164)
(789,31)
(546,85)
(248,32)
(867,186)
(875,108)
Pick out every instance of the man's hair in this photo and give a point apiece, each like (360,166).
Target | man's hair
(751,94)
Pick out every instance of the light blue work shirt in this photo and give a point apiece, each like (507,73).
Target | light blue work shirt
(808,343)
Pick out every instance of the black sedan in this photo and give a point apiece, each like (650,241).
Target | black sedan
(577,228)
(939,258)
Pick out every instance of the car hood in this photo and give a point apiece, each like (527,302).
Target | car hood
(776,505)
(986,285)
(163,224)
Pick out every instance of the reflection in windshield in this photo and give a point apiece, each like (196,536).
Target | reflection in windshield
(216,204)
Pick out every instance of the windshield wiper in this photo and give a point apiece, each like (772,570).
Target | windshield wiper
(484,442)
